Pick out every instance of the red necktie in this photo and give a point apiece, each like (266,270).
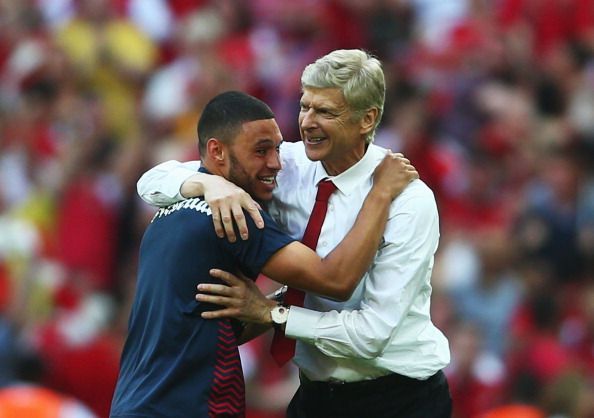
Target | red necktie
(283,348)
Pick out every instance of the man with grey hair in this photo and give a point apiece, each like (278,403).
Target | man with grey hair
(378,354)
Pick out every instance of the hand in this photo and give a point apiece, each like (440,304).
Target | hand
(394,173)
(241,299)
(226,201)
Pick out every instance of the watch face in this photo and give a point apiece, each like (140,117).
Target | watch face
(279,314)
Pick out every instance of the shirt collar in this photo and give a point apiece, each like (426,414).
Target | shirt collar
(348,180)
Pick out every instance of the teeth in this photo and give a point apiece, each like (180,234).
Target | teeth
(315,139)
(267,180)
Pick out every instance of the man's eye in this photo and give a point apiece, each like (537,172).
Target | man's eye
(261,151)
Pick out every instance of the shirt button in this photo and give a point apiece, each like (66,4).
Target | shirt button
(323,244)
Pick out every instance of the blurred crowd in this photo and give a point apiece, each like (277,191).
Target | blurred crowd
(492,101)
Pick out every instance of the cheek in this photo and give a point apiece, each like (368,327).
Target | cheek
(255,168)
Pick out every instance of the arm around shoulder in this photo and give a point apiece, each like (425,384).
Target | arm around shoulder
(338,274)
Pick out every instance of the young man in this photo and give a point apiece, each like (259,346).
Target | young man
(377,354)
(174,363)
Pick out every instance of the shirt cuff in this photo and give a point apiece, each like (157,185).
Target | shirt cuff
(301,324)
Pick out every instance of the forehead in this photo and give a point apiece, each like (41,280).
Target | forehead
(257,131)
(329,97)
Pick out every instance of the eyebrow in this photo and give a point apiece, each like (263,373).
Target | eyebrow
(321,106)
(267,141)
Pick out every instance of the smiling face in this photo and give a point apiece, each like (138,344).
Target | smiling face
(329,129)
(254,158)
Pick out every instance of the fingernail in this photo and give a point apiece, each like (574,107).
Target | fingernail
(244,236)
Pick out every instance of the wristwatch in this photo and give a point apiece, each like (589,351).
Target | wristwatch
(279,315)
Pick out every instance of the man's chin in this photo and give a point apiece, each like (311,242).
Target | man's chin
(314,154)
(263,200)
(262,196)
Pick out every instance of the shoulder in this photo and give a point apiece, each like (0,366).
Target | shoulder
(253,253)
(417,192)
(293,153)
(189,207)
(413,216)
(417,198)
(417,189)
(292,150)
(271,228)
(186,216)
(295,165)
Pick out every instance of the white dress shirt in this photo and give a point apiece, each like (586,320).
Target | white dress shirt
(385,326)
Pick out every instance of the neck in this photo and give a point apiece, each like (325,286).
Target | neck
(212,168)
(336,167)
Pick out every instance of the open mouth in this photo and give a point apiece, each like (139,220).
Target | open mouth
(268,180)
(314,140)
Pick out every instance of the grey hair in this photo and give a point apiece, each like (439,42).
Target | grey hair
(357,74)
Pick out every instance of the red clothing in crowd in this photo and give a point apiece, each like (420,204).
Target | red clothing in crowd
(553,21)
(87,233)
(88,371)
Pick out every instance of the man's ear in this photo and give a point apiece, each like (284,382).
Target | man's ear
(368,120)
(216,151)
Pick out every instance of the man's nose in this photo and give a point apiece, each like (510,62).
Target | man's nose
(308,119)
(274,161)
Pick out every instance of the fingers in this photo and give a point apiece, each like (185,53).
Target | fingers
(227,221)
(397,156)
(225,276)
(237,209)
(405,162)
(229,212)
(221,219)
(216,221)
(216,299)
(396,162)
(218,294)
(215,289)
(239,218)
(254,211)
(394,173)
(235,287)
(221,313)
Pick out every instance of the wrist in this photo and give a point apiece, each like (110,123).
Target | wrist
(267,312)
(279,315)
(192,186)
(379,194)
